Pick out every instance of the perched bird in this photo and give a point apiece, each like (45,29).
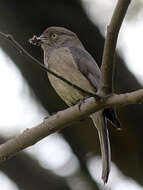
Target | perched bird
(65,54)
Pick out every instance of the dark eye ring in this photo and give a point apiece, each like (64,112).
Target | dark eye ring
(54,36)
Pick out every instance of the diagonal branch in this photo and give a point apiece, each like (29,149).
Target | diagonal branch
(107,67)
(23,52)
(63,118)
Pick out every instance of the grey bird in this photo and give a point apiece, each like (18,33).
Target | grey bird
(65,54)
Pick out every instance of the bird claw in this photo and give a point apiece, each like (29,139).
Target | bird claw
(81,101)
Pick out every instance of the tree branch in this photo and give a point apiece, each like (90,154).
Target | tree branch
(63,118)
(24,53)
(107,67)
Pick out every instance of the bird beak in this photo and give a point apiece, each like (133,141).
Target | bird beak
(35,40)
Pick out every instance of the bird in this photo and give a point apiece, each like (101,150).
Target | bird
(65,54)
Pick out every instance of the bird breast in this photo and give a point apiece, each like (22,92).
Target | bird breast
(62,62)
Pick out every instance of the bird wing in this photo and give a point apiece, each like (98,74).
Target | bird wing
(89,68)
(87,65)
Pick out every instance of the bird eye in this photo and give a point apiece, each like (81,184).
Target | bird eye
(54,36)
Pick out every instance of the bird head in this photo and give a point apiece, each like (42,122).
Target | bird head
(55,37)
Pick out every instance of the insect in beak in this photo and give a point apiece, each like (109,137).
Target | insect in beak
(35,40)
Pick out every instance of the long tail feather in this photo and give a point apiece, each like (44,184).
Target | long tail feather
(100,122)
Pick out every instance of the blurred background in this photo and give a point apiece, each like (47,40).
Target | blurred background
(70,159)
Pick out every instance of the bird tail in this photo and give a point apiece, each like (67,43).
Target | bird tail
(100,122)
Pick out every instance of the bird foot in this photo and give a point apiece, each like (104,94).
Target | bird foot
(81,101)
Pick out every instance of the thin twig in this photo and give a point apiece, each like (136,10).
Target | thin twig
(23,52)
(107,67)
